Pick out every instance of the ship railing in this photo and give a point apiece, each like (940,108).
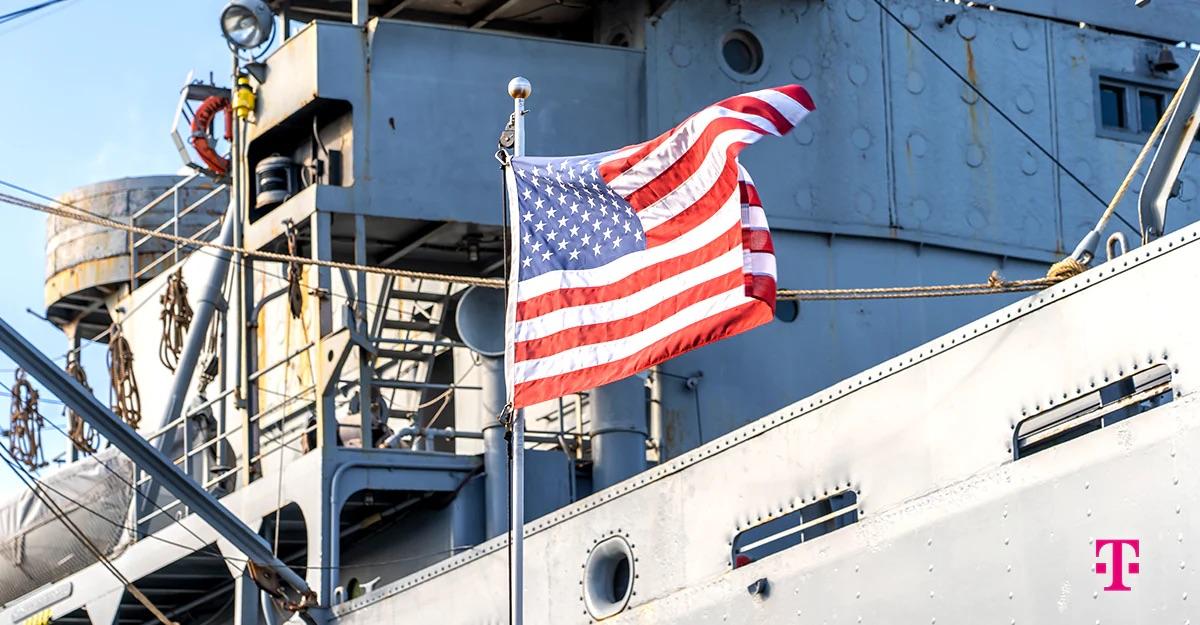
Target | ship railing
(242,446)
(295,408)
(146,217)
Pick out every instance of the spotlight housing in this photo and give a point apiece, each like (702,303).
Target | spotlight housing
(247,24)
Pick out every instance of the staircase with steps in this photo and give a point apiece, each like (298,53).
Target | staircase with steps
(408,336)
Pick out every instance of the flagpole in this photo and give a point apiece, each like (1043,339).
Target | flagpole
(519,88)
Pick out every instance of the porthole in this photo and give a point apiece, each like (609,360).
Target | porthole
(608,577)
(787,310)
(741,54)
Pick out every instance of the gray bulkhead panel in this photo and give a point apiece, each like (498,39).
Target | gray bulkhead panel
(901,176)
(429,103)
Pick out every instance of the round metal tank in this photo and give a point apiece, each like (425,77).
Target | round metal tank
(36,549)
(86,263)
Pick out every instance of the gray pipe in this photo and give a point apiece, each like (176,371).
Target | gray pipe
(618,431)
(495,448)
(210,300)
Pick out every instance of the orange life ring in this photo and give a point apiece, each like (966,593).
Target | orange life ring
(202,137)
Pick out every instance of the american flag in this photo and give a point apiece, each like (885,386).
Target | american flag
(628,258)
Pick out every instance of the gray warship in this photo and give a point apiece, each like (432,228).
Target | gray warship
(319,442)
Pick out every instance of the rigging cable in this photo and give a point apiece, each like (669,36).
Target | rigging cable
(984,288)
(35,486)
(1070,174)
(19,13)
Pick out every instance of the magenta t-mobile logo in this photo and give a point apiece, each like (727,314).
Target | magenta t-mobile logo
(1117,565)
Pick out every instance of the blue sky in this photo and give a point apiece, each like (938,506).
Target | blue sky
(89,91)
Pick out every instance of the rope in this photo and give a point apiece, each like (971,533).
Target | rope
(79,215)
(986,288)
(25,424)
(123,391)
(994,285)
(295,289)
(176,318)
(82,436)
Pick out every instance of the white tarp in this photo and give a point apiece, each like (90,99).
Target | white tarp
(36,548)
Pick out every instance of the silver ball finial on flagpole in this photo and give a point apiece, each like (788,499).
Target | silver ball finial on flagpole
(519,87)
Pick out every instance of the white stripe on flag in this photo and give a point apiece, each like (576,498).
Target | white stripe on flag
(630,305)
(699,183)
(761,263)
(586,356)
(664,155)
(754,217)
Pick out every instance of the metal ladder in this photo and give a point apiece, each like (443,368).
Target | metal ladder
(407,333)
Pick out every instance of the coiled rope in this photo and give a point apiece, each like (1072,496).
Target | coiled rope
(123,391)
(82,436)
(176,318)
(25,424)
(295,290)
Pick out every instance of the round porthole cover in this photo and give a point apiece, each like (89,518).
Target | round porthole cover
(608,577)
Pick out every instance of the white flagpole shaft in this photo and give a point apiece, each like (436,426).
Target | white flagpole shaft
(519,88)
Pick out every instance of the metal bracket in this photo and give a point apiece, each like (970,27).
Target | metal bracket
(1159,185)
(334,350)
(146,456)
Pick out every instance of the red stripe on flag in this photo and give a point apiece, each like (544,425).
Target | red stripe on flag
(749,194)
(761,287)
(638,280)
(697,213)
(688,162)
(728,323)
(628,326)
(757,241)
(753,106)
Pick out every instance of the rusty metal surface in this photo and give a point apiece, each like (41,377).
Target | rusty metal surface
(86,262)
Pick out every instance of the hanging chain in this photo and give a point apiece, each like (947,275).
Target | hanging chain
(85,439)
(176,318)
(123,392)
(25,424)
(295,290)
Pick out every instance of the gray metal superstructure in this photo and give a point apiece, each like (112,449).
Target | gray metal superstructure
(784,474)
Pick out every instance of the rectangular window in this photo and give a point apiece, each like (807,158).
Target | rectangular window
(1151,105)
(1112,106)
(1129,109)
(1099,409)
(812,521)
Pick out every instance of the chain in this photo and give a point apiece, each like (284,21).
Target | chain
(25,424)
(85,439)
(176,318)
(295,289)
(123,392)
